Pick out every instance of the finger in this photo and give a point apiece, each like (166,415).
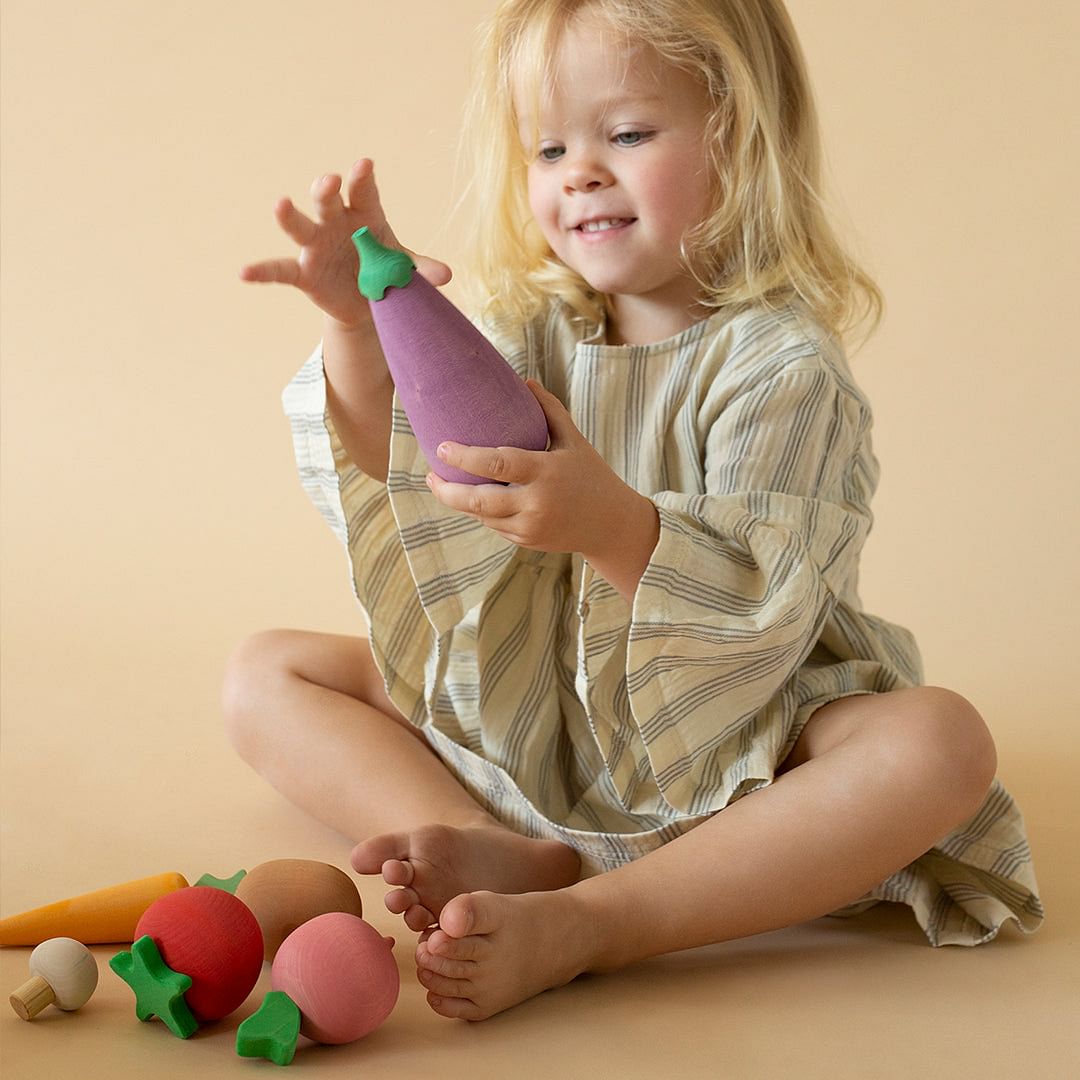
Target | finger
(432,270)
(561,425)
(364,199)
(285,271)
(488,502)
(437,273)
(326,191)
(297,226)
(361,189)
(506,464)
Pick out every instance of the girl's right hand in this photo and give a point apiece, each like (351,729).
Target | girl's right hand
(326,267)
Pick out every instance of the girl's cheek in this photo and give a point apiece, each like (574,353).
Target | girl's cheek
(538,196)
(543,203)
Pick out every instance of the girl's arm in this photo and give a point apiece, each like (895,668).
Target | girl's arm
(359,395)
(566,498)
(630,543)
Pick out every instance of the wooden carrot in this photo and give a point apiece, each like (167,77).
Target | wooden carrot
(94,918)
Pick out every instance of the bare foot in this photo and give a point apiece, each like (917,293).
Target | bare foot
(434,863)
(492,951)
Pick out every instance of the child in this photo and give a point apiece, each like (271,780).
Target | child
(629,702)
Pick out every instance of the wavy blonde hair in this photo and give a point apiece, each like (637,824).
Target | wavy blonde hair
(767,236)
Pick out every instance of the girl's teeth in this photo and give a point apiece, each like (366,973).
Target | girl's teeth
(600,226)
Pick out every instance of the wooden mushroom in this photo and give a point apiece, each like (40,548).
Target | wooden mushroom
(64,973)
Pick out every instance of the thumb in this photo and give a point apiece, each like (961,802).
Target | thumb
(437,273)
(559,422)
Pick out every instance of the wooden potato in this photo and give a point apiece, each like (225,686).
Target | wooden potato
(286,893)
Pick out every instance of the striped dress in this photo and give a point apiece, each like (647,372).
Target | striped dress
(570,714)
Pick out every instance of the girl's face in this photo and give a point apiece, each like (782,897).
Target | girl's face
(619,175)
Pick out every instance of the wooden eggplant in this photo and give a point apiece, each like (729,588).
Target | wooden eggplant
(452,382)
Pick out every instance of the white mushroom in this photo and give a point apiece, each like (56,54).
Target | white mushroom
(64,973)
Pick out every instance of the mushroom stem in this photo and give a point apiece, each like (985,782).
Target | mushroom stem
(34,995)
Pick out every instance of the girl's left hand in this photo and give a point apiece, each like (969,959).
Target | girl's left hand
(565,498)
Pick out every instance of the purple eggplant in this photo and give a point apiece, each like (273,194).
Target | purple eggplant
(452,382)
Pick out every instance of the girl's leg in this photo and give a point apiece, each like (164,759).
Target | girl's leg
(309,712)
(873,782)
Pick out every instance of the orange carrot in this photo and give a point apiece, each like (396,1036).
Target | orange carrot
(94,918)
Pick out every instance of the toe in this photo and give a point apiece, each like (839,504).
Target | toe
(473,913)
(442,965)
(466,948)
(437,937)
(418,917)
(399,901)
(369,855)
(440,984)
(398,872)
(456,1008)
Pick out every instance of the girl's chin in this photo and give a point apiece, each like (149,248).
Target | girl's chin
(601,279)
(612,287)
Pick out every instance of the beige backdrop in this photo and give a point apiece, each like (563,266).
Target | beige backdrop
(151,512)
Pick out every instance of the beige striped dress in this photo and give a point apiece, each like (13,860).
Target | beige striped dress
(570,714)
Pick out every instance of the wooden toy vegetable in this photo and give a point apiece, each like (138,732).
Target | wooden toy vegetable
(341,974)
(451,381)
(200,943)
(159,991)
(94,918)
(334,981)
(272,1031)
(285,893)
(212,936)
(64,973)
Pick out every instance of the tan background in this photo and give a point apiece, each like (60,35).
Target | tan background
(152,516)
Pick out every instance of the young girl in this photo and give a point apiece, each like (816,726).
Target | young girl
(626,702)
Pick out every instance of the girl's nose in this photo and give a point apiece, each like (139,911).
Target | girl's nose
(585,173)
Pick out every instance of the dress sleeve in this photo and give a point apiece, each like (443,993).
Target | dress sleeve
(357,509)
(451,560)
(735,595)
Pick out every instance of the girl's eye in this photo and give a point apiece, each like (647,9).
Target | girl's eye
(550,153)
(631,138)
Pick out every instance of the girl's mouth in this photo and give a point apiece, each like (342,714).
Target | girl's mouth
(606,225)
(603,231)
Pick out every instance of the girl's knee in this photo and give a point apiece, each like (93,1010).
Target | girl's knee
(251,672)
(952,736)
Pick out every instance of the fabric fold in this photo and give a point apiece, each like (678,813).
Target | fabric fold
(358,510)
(454,560)
(735,596)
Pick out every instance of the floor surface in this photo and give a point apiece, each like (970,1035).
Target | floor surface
(863,997)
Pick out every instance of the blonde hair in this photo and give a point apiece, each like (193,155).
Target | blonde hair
(766,238)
